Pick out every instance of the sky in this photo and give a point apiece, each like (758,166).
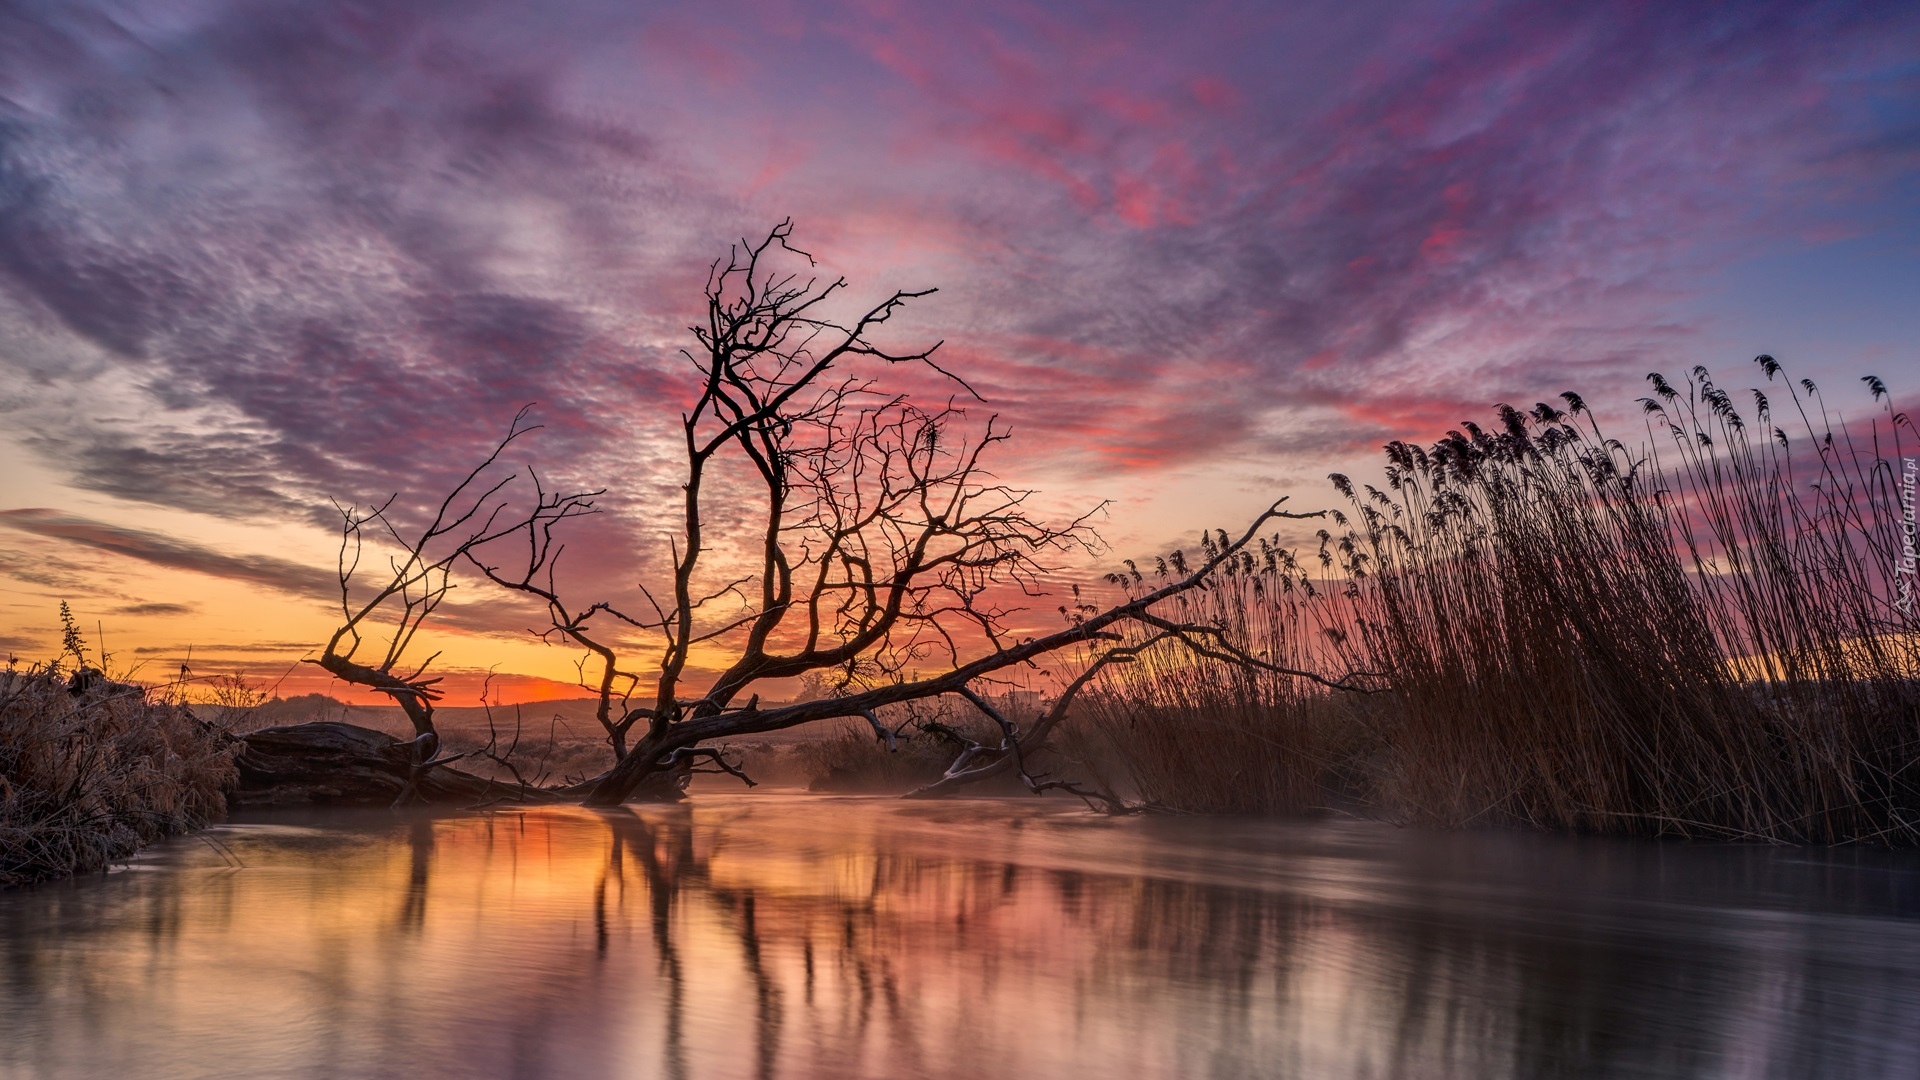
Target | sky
(256,258)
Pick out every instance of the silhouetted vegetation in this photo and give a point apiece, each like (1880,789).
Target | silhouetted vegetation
(1706,637)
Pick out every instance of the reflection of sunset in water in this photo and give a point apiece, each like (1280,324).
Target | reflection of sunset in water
(768,935)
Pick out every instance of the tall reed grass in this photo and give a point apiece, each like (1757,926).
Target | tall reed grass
(1701,636)
(1208,737)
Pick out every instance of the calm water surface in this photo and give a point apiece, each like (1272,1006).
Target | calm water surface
(808,936)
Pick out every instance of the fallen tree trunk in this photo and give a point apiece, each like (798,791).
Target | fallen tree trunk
(330,763)
(327,763)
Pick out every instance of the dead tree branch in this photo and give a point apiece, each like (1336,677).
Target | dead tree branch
(418,578)
(877,544)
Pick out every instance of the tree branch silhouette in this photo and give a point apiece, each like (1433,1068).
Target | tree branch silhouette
(881,548)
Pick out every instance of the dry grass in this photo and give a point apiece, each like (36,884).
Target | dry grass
(1698,638)
(849,757)
(1212,738)
(88,776)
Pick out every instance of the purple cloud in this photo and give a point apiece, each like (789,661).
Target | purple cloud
(155,609)
(253,256)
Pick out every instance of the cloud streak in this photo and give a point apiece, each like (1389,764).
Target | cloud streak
(153,609)
(158,549)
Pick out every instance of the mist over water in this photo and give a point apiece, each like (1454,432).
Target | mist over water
(808,936)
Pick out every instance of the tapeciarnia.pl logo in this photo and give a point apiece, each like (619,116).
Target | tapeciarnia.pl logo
(1903,569)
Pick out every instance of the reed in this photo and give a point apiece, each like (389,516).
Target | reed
(91,769)
(1702,636)
(1202,736)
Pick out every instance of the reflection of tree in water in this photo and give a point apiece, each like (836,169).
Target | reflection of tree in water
(663,854)
(413,906)
(661,851)
(870,942)
(911,964)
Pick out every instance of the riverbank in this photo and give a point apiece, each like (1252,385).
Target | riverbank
(91,770)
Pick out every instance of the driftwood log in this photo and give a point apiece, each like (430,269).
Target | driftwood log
(327,763)
(343,764)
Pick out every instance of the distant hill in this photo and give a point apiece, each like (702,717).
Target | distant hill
(572,715)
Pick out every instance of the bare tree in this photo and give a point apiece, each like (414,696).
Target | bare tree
(419,565)
(877,546)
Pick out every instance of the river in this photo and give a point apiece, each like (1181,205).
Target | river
(801,936)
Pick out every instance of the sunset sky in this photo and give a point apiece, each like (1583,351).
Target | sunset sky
(254,257)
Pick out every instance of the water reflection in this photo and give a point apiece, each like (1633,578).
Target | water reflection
(777,936)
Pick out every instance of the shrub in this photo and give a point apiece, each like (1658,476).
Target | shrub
(91,769)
